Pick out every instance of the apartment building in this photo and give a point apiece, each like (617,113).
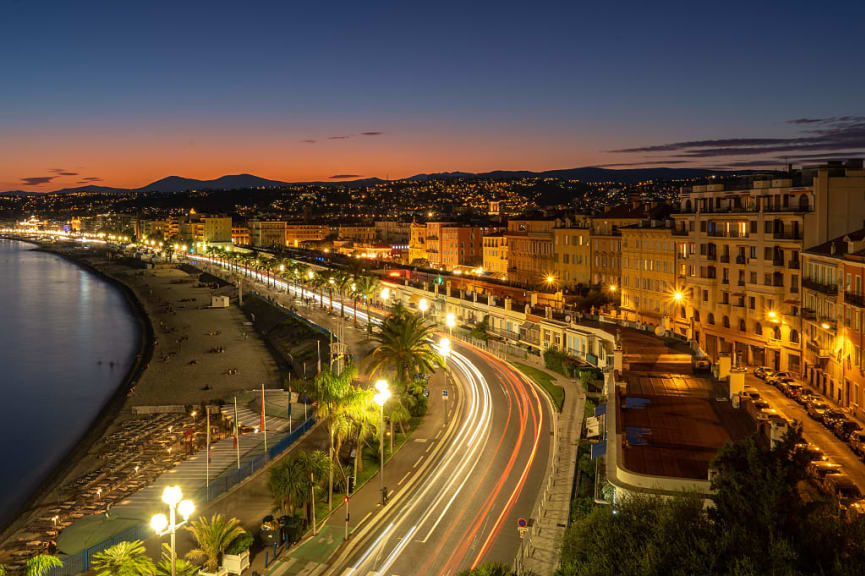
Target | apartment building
(461,246)
(363,234)
(495,259)
(240,236)
(607,241)
(739,252)
(433,242)
(530,251)
(296,234)
(267,233)
(216,229)
(392,231)
(650,291)
(417,242)
(833,313)
(572,249)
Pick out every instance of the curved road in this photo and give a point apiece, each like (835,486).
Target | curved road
(462,507)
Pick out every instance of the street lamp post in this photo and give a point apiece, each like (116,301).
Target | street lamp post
(173,496)
(451,321)
(380,399)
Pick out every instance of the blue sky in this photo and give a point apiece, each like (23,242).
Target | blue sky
(133,92)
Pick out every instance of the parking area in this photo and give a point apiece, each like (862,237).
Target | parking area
(815,432)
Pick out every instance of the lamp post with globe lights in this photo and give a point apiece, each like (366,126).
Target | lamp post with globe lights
(381,397)
(162,525)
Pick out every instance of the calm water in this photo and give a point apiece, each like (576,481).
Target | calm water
(57,322)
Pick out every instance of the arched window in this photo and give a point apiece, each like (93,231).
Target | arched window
(726,321)
(696,315)
(711,318)
(741,324)
(777,332)
(803,202)
(794,336)
(758,329)
(687,205)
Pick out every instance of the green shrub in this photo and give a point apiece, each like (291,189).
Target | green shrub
(240,544)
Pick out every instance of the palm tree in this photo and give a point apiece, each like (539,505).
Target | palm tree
(364,417)
(124,559)
(343,283)
(300,271)
(318,282)
(288,484)
(334,395)
(314,464)
(181,566)
(40,564)
(213,537)
(366,287)
(405,347)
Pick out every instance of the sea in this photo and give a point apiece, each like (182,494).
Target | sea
(67,340)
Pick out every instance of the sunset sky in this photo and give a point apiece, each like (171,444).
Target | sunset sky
(121,93)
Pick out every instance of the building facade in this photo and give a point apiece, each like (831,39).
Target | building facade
(267,233)
(417,243)
(298,233)
(740,254)
(217,229)
(461,246)
(495,259)
(530,251)
(572,252)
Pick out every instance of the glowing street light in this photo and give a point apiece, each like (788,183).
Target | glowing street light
(385,294)
(162,525)
(825,326)
(451,321)
(423,305)
(678,296)
(381,398)
(613,287)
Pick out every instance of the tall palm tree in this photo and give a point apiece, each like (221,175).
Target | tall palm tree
(300,272)
(335,393)
(213,537)
(364,416)
(314,466)
(40,564)
(343,283)
(366,288)
(319,281)
(124,559)
(405,347)
(288,484)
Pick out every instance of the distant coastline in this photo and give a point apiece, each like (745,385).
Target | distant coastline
(11,519)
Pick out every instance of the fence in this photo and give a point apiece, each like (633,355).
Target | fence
(81,562)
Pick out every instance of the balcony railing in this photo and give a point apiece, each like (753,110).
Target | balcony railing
(857,300)
(830,289)
(778,262)
(809,314)
(740,260)
(787,236)
(793,265)
(725,258)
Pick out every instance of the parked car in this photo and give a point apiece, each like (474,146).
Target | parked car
(830,416)
(793,389)
(843,488)
(751,392)
(811,451)
(843,428)
(856,441)
(804,398)
(816,409)
(762,372)
(819,469)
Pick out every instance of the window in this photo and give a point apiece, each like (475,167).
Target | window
(702,226)
(741,325)
(758,329)
(767,227)
(711,318)
(751,302)
(753,226)
(726,322)
(794,336)
(753,252)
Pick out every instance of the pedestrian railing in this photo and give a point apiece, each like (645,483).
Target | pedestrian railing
(83,561)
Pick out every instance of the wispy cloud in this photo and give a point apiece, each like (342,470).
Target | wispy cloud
(832,134)
(344,176)
(372,133)
(641,164)
(62,172)
(338,137)
(308,141)
(37,180)
(92,179)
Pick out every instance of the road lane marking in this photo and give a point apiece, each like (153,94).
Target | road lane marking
(417,463)
(403,478)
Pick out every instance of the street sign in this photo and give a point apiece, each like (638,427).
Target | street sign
(445,394)
(522,526)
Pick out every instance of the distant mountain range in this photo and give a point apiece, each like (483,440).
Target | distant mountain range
(174,184)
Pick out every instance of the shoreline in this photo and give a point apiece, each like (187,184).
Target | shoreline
(108,412)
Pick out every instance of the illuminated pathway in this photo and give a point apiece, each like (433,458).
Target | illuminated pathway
(462,506)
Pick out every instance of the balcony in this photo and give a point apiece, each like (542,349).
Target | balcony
(741,260)
(711,256)
(787,236)
(778,262)
(857,300)
(725,258)
(829,289)
(679,232)
(809,314)
(793,265)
